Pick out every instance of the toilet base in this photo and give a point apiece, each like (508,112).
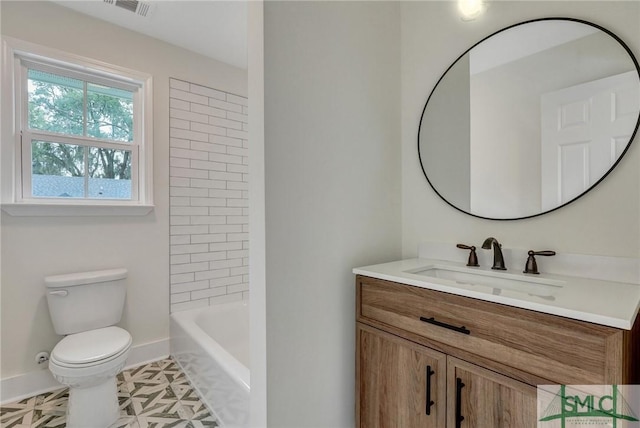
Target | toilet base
(93,406)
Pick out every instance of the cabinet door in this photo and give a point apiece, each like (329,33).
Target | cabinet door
(480,398)
(400,384)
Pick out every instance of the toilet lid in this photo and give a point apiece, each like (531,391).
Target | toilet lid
(91,346)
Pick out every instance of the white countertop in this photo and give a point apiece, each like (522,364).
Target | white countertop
(613,304)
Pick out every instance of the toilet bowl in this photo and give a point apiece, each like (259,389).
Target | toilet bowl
(88,364)
(84,307)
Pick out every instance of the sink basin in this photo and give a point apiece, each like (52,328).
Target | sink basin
(497,281)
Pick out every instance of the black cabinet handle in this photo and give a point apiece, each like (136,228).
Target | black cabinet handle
(459,417)
(433,321)
(430,402)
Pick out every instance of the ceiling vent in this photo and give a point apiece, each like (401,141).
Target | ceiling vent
(138,7)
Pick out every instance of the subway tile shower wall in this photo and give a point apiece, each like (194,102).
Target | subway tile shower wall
(208,196)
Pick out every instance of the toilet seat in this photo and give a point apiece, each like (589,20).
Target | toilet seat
(91,348)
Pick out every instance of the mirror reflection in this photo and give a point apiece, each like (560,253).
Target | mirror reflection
(530,118)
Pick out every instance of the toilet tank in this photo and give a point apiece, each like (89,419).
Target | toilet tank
(87,300)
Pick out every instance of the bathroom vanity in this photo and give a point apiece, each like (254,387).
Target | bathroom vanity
(446,352)
(440,344)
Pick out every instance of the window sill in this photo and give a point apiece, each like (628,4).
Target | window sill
(77,210)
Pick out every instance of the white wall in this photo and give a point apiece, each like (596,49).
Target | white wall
(604,222)
(209,174)
(34,247)
(332,161)
(257,267)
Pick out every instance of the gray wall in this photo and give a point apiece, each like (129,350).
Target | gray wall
(332,170)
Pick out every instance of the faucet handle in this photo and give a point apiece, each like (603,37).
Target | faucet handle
(473,257)
(531,266)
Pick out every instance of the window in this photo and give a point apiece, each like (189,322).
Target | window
(77,137)
(83,132)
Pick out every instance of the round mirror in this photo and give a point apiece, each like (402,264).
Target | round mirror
(530,118)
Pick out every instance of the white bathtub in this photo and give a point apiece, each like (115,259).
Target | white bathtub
(211,345)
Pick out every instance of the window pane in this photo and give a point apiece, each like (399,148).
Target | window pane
(109,113)
(55,103)
(57,170)
(109,173)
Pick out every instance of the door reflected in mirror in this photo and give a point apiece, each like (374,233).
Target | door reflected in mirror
(530,118)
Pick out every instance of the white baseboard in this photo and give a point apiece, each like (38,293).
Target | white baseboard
(40,381)
(27,385)
(148,352)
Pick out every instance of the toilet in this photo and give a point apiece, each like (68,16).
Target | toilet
(85,307)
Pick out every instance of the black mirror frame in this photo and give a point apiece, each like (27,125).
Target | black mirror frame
(631,139)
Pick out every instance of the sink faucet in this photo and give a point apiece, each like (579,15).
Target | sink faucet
(498,259)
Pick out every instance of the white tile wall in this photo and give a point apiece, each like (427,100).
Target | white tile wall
(208,168)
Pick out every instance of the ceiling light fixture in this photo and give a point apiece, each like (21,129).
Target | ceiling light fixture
(470,9)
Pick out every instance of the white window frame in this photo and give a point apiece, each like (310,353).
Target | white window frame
(18,57)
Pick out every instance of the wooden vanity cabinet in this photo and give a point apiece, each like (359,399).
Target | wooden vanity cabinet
(485,398)
(402,384)
(485,359)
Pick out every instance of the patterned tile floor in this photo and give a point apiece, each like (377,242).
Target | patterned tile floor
(155,395)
